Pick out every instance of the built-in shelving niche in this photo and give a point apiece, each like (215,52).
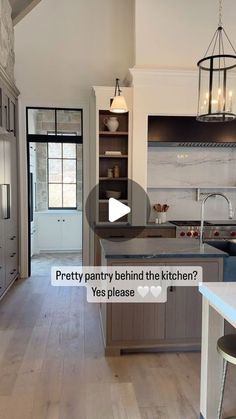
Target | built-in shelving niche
(113,141)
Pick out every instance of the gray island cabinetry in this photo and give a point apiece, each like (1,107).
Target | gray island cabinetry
(174,325)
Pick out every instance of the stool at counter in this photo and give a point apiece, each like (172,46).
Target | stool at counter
(226,347)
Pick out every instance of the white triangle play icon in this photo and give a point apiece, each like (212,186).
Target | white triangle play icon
(117,210)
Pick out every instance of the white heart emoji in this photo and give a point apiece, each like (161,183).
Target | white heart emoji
(143,291)
(156,291)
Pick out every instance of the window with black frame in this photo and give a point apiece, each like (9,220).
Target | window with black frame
(62,174)
(57,135)
(55,122)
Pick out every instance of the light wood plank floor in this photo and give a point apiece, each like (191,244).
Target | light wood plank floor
(52,364)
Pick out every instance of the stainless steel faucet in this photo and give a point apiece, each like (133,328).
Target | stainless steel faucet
(203,208)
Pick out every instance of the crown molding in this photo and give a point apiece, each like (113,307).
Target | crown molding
(145,75)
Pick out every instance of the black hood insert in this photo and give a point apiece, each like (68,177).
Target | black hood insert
(184,131)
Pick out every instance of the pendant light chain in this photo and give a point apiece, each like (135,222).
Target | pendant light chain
(220,13)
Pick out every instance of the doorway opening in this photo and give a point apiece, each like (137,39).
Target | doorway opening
(55,187)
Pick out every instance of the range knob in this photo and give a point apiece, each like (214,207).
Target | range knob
(195,233)
(182,234)
(233,233)
(189,233)
(216,234)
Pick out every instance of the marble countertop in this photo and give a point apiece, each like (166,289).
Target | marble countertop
(222,296)
(158,248)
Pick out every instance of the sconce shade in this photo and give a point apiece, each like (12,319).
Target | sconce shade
(119,105)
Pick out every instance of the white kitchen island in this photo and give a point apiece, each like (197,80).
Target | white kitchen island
(219,304)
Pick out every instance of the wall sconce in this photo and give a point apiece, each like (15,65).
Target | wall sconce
(118,104)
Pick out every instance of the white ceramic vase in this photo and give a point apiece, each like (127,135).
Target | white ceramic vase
(111,123)
(161,218)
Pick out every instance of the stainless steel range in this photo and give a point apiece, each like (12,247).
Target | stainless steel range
(212,229)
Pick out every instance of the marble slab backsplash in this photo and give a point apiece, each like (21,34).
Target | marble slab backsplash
(175,173)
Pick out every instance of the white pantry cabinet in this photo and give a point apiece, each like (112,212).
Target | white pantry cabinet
(59,231)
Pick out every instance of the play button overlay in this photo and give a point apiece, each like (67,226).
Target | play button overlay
(113,217)
(117,210)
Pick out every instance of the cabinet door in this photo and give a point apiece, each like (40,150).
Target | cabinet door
(2,269)
(183,313)
(1,106)
(8,114)
(2,263)
(5,110)
(49,232)
(135,323)
(184,304)
(12,115)
(10,179)
(72,231)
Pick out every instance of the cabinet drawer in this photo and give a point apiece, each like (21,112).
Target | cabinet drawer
(11,276)
(12,244)
(119,233)
(2,280)
(159,232)
(2,286)
(11,263)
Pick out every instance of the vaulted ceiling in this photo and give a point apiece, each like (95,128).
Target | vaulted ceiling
(20,8)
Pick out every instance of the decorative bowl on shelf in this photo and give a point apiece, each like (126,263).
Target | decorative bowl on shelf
(113,194)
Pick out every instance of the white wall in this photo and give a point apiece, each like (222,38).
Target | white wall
(63,48)
(176,33)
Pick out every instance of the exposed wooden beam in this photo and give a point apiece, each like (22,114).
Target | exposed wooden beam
(20,8)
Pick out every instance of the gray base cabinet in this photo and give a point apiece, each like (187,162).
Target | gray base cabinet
(174,325)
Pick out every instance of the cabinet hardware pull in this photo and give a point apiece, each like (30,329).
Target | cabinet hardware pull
(172,289)
(5,201)
(157,236)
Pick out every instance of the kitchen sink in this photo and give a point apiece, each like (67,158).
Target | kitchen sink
(228,247)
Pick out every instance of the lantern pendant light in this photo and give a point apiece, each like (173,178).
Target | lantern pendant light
(118,104)
(217,79)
